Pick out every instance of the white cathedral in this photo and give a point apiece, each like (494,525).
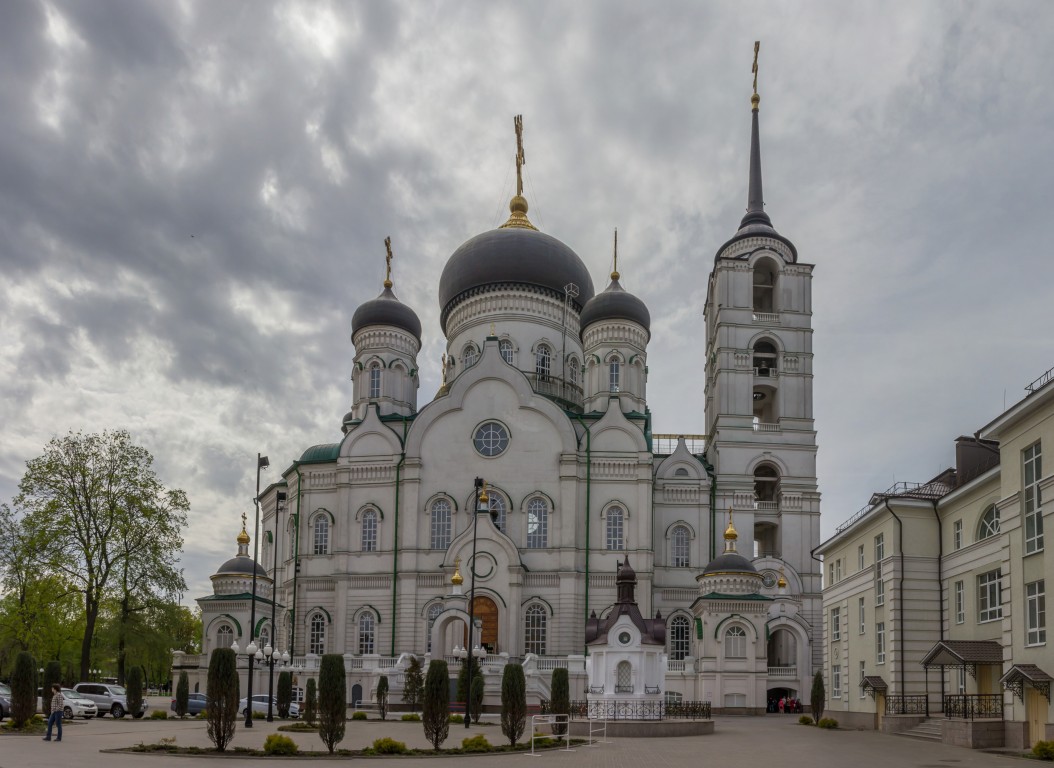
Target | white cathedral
(371,543)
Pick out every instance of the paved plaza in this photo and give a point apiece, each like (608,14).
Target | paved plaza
(747,741)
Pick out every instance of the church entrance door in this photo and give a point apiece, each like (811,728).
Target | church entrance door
(486,612)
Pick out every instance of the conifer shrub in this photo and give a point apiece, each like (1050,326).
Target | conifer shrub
(478,688)
(159,714)
(311,702)
(222,691)
(435,703)
(359,716)
(462,680)
(413,683)
(277,744)
(828,723)
(382,697)
(1043,750)
(389,746)
(818,698)
(134,691)
(477,743)
(52,675)
(182,695)
(560,702)
(332,700)
(284,694)
(804,720)
(23,694)
(513,702)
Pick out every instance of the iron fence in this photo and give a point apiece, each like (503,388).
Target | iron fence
(914,704)
(617,709)
(974,705)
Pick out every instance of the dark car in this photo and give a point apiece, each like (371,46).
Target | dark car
(196,703)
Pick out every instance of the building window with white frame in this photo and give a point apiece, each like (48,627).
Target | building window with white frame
(736,643)
(957,534)
(506,350)
(860,558)
(880,642)
(860,683)
(680,634)
(1036,613)
(836,681)
(836,624)
(316,639)
(375,380)
(989,597)
(321,540)
(369,531)
(366,633)
(614,529)
(1032,458)
(989,525)
(880,592)
(960,680)
(543,360)
(224,636)
(838,570)
(470,356)
(863,613)
(537,523)
(534,630)
(614,374)
(880,548)
(574,370)
(960,602)
(679,539)
(441,524)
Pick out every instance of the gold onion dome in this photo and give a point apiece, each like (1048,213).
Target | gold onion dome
(730,531)
(243,537)
(457,579)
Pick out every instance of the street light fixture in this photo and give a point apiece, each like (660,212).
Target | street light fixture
(482,505)
(279,502)
(261,463)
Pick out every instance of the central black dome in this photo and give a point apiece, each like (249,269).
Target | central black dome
(241,565)
(512,255)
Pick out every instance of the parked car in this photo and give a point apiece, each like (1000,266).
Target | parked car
(5,700)
(196,703)
(77,705)
(260,705)
(109,698)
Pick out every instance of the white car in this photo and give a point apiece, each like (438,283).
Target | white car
(77,705)
(260,705)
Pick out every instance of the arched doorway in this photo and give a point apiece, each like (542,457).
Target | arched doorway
(485,611)
(356,695)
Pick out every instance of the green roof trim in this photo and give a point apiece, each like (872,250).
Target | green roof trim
(320,454)
(722,596)
(241,596)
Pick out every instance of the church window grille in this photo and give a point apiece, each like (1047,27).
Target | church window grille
(1032,459)
(989,523)
(736,643)
(543,359)
(321,535)
(316,642)
(535,631)
(366,633)
(615,529)
(574,371)
(624,677)
(225,636)
(292,540)
(375,380)
(471,355)
(505,348)
(679,547)
(369,531)
(491,439)
(440,524)
(537,524)
(433,613)
(680,631)
(497,505)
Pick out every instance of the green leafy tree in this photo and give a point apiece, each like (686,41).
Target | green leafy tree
(101,518)
(223,693)
(23,690)
(285,693)
(182,695)
(560,690)
(513,702)
(311,703)
(382,697)
(52,675)
(478,688)
(435,703)
(332,700)
(134,685)
(413,683)
(818,697)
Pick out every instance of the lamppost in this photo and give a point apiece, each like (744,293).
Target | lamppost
(278,503)
(483,505)
(250,649)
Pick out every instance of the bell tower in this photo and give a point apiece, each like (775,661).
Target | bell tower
(759,414)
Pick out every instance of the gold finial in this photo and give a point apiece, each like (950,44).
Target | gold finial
(388,263)
(483,498)
(492,329)
(457,579)
(730,531)
(614,268)
(782,583)
(755,99)
(518,204)
(243,537)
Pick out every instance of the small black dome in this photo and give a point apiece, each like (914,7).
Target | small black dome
(730,562)
(513,255)
(386,309)
(241,565)
(615,303)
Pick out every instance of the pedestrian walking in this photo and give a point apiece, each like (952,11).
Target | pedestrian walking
(58,702)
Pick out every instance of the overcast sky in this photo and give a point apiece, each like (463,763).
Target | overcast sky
(194,198)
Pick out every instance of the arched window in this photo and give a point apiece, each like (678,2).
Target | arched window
(736,643)
(534,630)
(574,371)
(679,637)
(369,531)
(624,677)
(614,528)
(989,523)
(366,629)
(321,543)
(224,636)
(470,355)
(614,374)
(537,524)
(264,639)
(679,547)
(375,380)
(441,524)
(433,613)
(505,348)
(316,639)
(543,359)
(766,483)
(765,286)
(497,504)
(764,359)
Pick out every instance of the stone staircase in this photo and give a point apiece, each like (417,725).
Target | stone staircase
(929,729)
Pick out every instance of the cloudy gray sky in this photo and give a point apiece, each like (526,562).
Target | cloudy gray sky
(194,198)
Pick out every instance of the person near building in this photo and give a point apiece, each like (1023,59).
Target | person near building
(58,702)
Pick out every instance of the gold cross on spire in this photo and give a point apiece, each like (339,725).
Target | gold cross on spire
(388,263)
(614,268)
(755,99)
(521,160)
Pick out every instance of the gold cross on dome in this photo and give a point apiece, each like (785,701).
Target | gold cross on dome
(388,262)
(521,159)
(754,69)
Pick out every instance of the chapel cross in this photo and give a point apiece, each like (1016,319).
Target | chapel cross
(754,69)
(521,160)
(388,262)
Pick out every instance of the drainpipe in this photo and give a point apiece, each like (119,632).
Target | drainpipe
(900,592)
(713,504)
(589,479)
(296,554)
(395,541)
(940,594)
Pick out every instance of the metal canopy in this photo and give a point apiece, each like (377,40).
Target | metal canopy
(1019,674)
(873,684)
(965,654)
